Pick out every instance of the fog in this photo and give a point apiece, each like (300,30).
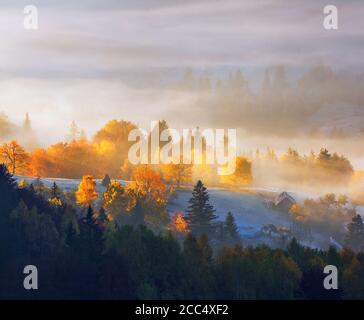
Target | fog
(266,68)
(322,108)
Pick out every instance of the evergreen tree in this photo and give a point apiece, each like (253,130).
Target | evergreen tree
(73,132)
(355,236)
(27,125)
(8,201)
(7,182)
(102,215)
(89,219)
(90,236)
(138,214)
(231,230)
(55,192)
(200,214)
(31,188)
(106,181)
(29,138)
(198,254)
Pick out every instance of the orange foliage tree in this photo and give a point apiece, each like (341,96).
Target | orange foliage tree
(86,193)
(150,196)
(111,143)
(66,160)
(179,223)
(14,157)
(148,184)
(40,165)
(109,149)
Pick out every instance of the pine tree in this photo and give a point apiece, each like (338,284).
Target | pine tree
(90,233)
(8,201)
(198,253)
(31,188)
(73,132)
(355,236)
(102,215)
(29,138)
(7,180)
(55,192)
(8,195)
(231,230)
(27,124)
(106,181)
(89,219)
(200,214)
(138,214)
(89,245)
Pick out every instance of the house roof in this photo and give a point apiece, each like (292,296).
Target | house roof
(284,196)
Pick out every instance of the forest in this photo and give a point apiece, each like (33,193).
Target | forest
(129,248)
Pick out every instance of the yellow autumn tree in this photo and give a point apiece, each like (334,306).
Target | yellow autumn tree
(177,173)
(86,193)
(22,184)
(117,200)
(112,144)
(242,175)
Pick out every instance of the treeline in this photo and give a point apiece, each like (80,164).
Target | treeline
(329,215)
(85,256)
(109,150)
(279,106)
(24,133)
(294,168)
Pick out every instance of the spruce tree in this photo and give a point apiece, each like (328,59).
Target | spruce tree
(27,124)
(7,181)
(231,230)
(8,201)
(102,215)
(55,192)
(90,235)
(31,188)
(355,236)
(138,214)
(89,219)
(106,181)
(200,213)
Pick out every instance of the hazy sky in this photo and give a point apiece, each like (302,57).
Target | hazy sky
(87,58)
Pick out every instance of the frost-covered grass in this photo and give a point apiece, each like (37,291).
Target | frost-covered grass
(248,207)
